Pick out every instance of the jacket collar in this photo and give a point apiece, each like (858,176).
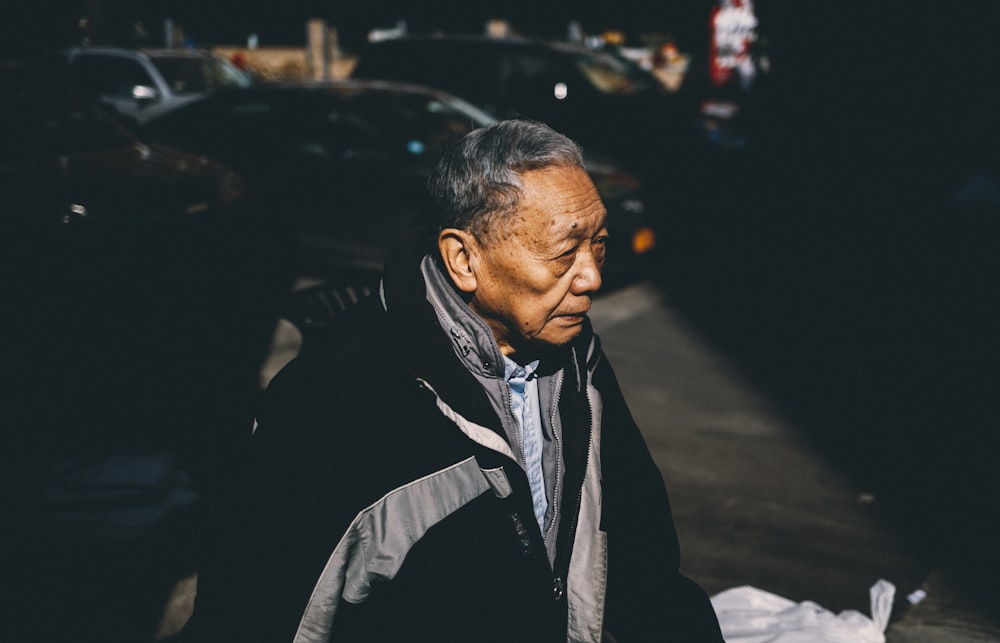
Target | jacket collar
(471,338)
(425,350)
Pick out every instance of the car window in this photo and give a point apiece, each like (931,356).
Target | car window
(610,75)
(314,126)
(191,75)
(109,75)
(223,74)
(345,135)
(243,126)
(183,75)
(416,124)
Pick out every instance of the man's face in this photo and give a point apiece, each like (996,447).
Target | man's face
(534,287)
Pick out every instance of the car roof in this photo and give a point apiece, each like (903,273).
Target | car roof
(131,51)
(460,40)
(346,87)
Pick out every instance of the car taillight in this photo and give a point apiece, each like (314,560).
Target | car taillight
(643,240)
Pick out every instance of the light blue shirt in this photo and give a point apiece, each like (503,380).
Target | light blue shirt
(524,402)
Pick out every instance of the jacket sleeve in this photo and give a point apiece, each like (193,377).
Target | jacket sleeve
(289,509)
(647,597)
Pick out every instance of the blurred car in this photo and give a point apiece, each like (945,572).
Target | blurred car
(140,297)
(607,103)
(345,164)
(66,161)
(141,84)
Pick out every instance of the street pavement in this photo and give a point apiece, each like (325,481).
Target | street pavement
(755,502)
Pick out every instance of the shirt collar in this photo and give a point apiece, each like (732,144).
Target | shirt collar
(513,369)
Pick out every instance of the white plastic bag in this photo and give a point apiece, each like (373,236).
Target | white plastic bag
(751,615)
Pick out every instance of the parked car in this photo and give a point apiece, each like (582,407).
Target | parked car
(139,295)
(141,84)
(608,104)
(67,161)
(346,163)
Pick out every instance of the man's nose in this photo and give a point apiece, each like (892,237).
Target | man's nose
(588,279)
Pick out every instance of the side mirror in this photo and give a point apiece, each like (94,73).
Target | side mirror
(144,95)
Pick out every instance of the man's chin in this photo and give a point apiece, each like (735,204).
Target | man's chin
(558,339)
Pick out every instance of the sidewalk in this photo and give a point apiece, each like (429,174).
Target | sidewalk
(943,617)
(755,503)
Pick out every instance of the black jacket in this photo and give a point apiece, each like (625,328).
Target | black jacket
(385,505)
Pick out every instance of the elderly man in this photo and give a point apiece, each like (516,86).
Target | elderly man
(456,461)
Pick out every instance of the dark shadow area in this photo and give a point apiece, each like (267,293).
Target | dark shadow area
(131,360)
(846,261)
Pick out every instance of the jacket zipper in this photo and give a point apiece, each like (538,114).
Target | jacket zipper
(556,435)
(571,533)
(586,452)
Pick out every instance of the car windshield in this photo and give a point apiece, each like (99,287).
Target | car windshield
(189,75)
(611,75)
(417,123)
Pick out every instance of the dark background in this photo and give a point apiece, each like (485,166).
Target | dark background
(832,256)
(832,260)
(837,232)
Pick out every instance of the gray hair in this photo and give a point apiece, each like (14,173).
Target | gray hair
(476,185)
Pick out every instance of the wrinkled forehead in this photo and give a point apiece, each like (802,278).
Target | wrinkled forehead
(562,199)
(546,231)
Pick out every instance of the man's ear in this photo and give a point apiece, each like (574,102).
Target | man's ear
(457,248)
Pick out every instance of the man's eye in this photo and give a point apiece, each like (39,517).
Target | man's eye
(600,246)
(568,255)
